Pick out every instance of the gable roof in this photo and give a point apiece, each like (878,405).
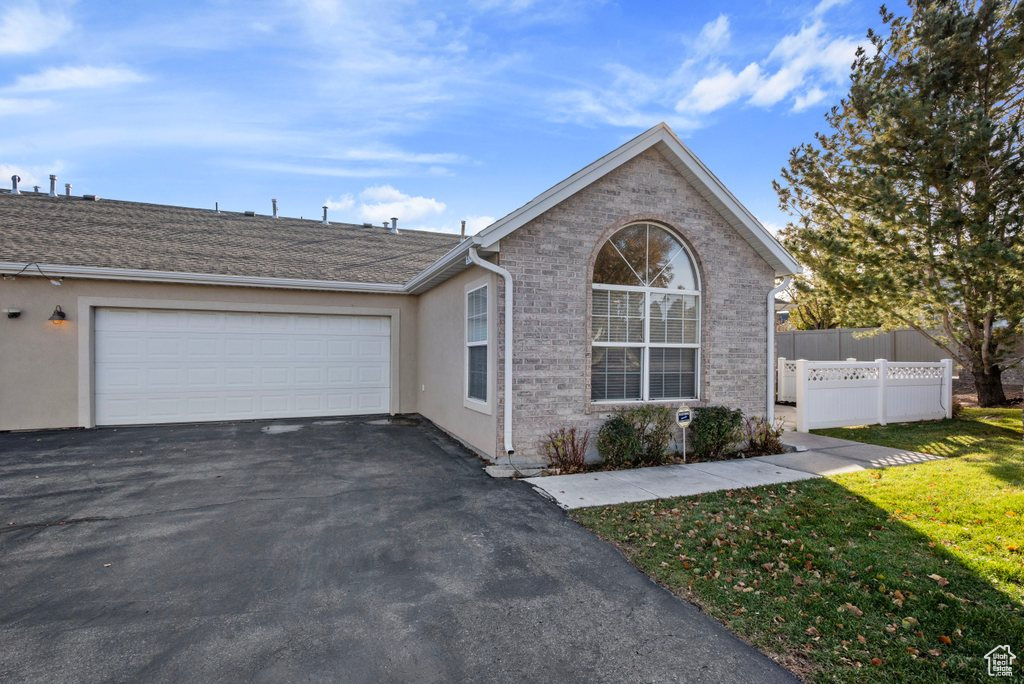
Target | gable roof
(114,239)
(158,242)
(686,163)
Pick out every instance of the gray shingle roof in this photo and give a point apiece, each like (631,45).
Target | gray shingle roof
(116,234)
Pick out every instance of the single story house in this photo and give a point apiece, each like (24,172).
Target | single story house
(640,278)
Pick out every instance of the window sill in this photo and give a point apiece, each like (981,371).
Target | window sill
(477,405)
(616,404)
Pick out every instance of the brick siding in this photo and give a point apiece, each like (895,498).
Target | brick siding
(551,260)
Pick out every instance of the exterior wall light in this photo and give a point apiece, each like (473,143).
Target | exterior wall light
(58,316)
(12,313)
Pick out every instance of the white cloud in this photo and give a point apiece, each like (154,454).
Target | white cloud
(803,68)
(314,169)
(809,99)
(30,174)
(22,106)
(809,61)
(715,92)
(382,202)
(76,77)
(474,224)
(714,35)
(399,156)
(25,28)
(343,203)
(826,5)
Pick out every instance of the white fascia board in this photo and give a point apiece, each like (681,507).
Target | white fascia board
(455,255)
(103,273)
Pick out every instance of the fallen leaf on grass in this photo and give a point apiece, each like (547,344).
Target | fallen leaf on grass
(876,661)
(939,579)
(945,640)
(812,631)
(852,610)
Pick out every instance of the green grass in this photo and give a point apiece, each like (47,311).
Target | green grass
(909,573)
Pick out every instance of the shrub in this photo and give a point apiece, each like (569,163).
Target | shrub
(654,425)
(714,429)
(763,438)
(618,442)
(566,449)
(636,436)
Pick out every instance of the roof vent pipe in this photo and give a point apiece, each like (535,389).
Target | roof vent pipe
(463,229)
(326,222)
(53,185)
(273,203)
(67,189)
(394,225)
(35,189)
(15,179)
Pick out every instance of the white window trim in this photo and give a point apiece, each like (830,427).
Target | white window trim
(469,402)
(647,345)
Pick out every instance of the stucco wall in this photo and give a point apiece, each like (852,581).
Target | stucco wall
(39,362)
(442,362)
(551,261)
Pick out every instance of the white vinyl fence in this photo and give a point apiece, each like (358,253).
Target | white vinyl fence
(785,381)
(840,393)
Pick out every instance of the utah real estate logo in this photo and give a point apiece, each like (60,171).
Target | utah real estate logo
(1000,661)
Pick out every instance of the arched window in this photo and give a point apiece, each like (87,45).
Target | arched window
(645,328)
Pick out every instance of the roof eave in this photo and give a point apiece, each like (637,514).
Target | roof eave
(450,264)
(104,273)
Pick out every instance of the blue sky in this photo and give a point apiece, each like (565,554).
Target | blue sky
(432,112)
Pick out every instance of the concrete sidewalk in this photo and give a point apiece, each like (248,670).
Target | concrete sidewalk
(816,456)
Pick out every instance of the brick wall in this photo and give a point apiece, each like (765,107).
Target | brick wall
(551,260)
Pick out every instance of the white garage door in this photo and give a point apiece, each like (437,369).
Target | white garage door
(165,366)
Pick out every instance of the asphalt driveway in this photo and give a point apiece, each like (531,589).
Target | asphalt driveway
(340,551)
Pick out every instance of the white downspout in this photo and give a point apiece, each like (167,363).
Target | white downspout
(769,412)
(475,258)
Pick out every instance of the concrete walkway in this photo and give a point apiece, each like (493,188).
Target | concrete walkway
(816,456)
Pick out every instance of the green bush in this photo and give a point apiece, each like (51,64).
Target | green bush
(636,436)
(714,430)
(655,425)
(566,449)
(618,442)
(763,438)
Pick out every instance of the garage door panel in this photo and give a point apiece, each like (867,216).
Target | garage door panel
(172,366)
(167,347)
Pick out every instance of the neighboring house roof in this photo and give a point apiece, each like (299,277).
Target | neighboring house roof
(133,236)
(689,166)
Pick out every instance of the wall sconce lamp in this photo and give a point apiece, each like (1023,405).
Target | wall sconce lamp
(58,316)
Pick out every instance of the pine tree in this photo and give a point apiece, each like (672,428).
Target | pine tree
(911,203)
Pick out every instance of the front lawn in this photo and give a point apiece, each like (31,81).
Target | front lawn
(909,573)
